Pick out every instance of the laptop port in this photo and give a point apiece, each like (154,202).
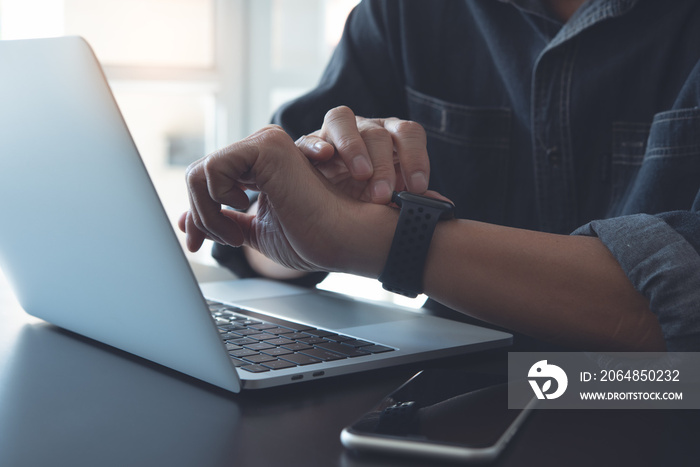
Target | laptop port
(318,373)
(297,377)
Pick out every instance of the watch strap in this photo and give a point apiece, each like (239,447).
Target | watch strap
(403,271)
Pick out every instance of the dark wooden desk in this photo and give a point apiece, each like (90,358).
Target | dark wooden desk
(68,401)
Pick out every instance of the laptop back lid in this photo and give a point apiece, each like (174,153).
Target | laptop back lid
(85,242)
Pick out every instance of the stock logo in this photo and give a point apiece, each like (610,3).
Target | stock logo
(544,372)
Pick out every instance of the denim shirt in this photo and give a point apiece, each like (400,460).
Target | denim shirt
(590,127)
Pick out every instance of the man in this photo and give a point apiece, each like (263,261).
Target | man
(540,119)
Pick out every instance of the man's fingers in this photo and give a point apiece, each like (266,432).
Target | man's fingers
(208,190)
(411,147)
(436,195)
(372,149)
(195,237)
(393,142)
(222,189)
(204,210)
(220,178)
(340,129)
(181,221)
(381,150)
(315,148)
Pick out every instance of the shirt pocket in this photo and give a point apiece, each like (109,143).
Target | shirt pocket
(469,149)
(629,143)
(663,173)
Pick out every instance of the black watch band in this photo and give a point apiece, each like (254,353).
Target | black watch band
(403,271)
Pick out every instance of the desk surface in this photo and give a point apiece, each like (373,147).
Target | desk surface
(69,401)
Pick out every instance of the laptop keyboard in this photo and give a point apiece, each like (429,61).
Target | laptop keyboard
(259,343)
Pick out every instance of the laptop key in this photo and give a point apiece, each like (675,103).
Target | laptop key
(247,332)
(278,364)
(280,341)
(297,346)
(357,343)
(248,322)
(234,317)
(377,348)
(300,359)
(225,313)
(243,341)
(341,338)
(276,351)
(286,324)
(229,335)
(313,340)
(322,354)
(259,358)
(343,349)
(259,346)
(278,330)
(254,368)
(243,353)
(263,326)
(232,327)
(231,347)
(321,333)
(265,337)
(295,335)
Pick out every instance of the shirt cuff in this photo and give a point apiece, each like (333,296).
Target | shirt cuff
(663,266)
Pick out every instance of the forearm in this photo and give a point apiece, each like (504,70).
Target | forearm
(566,289)
(563,289)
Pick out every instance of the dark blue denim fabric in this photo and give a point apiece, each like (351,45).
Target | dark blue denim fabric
(662,265)
(547,126)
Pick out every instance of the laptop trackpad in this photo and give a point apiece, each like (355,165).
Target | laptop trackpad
(325,311)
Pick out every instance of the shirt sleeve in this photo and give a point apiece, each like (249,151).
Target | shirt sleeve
(659,255)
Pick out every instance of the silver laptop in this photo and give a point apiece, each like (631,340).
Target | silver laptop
(87,246)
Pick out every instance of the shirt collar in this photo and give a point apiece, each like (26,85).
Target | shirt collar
(535,7)
(590,13)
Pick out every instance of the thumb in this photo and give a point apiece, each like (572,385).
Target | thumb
(244,221)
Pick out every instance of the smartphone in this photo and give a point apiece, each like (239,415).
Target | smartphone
(441,414)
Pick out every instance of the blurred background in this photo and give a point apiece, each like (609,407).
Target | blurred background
(194,75)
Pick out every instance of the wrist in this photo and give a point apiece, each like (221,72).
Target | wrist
(268,268)
(367,236)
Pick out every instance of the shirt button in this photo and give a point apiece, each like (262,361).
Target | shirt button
(554,156)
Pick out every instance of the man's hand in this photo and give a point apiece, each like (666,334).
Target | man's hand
(303,221)
(369,158)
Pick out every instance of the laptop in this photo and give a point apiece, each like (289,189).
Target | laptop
(87,246)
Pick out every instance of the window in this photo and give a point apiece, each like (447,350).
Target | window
(193,75)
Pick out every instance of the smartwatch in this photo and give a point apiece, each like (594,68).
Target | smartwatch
(403,271)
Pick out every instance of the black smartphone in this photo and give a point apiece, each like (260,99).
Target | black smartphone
(442,414)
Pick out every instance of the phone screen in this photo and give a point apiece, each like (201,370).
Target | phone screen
(445,407)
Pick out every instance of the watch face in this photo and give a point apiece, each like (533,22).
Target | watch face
(444,206)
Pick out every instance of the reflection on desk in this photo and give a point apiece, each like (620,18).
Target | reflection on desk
(67,402)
